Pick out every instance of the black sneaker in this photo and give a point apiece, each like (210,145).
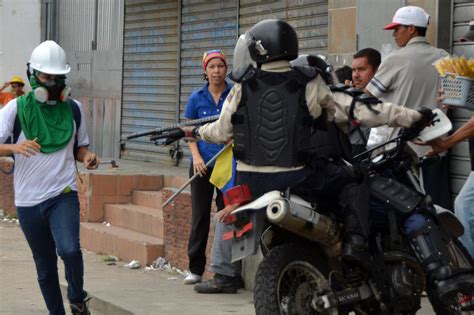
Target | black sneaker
(81,307)
(220,284)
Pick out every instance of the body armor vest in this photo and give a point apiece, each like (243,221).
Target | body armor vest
(272,124)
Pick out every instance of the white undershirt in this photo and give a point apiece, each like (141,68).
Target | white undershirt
(42,176)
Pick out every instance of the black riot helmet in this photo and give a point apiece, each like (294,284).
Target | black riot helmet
(272,40)
(317,62)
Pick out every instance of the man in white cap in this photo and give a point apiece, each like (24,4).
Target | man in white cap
(407,77)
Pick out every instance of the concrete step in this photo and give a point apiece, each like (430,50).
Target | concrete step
(152,199)
(136,218)
(125,244)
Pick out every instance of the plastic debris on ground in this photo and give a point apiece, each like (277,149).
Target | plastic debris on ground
(134,264)
(11,220)
(109,258)
(162,264)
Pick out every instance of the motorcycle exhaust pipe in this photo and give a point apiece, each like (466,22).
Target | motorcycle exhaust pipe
(306,223)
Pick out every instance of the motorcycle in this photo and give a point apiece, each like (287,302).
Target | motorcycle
(301,240)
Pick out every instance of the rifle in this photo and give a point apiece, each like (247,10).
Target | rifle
(172,132)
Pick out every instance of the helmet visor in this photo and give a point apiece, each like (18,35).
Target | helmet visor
(241,52)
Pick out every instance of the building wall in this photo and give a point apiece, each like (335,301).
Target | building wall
(7,197)
(91,33)
(357,24)
(463,12)
(19,35)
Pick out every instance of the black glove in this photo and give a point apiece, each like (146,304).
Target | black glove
(427,117)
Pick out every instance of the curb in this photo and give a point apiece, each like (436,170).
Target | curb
(98,305)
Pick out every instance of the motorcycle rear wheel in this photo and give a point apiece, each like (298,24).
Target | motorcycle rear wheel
(459,258)
(287,279)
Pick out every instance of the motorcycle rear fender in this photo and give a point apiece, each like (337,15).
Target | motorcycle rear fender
(450,221)
(248,243)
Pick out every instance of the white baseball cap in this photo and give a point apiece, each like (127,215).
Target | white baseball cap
(409,15)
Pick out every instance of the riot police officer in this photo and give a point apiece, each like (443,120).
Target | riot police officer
(269,114)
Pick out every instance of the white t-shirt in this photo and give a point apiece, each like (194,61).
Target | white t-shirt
(41,176)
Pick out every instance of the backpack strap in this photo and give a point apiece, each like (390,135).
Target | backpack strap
(16,130)
(76,114)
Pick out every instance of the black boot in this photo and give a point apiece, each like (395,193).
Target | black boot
(356,251)
(461,282)
(220,284)
(81,307)
(430,248)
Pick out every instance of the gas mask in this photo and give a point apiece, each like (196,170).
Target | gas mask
(51,91)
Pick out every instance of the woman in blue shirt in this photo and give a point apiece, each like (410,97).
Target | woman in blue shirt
(202,103)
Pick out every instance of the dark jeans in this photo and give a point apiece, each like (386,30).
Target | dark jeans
(202,192)
(53,227)
(436,182)
(344,185)
(261,183)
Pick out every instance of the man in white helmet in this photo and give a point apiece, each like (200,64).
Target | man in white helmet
(48,137)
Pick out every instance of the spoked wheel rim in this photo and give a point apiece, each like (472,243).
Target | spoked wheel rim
(297,283)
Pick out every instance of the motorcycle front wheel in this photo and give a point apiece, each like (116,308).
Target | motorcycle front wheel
(287,279)
(459,258)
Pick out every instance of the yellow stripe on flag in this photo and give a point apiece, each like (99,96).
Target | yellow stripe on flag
(222,171)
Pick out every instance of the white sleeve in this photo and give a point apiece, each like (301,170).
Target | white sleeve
(82,136)
(7,120)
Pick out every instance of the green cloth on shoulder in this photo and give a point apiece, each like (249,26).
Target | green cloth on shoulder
(53,125)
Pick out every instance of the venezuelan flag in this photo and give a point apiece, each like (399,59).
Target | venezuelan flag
(223,174)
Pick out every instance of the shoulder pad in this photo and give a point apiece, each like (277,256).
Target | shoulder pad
(237,75)
(307,73)
(368,99)
(340,87)
(354,91)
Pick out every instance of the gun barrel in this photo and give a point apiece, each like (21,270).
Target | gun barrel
(141,134)
(159,131)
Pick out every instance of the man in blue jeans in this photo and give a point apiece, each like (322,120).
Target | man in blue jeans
(47,139)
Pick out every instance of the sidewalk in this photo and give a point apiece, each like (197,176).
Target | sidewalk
(114,289)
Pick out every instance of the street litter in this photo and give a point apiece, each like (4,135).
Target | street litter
(161,264)
(172,278)
(110,258)
(134,264)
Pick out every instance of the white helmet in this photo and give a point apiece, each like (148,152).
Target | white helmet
(49,58)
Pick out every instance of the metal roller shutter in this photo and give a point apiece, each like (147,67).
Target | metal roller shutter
(460,163)
(149,74)
(308,17)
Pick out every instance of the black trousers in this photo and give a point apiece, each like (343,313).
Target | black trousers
(436,182)
(343,185)
(202,192)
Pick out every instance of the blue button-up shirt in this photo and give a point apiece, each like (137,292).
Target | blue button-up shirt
(200,105)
